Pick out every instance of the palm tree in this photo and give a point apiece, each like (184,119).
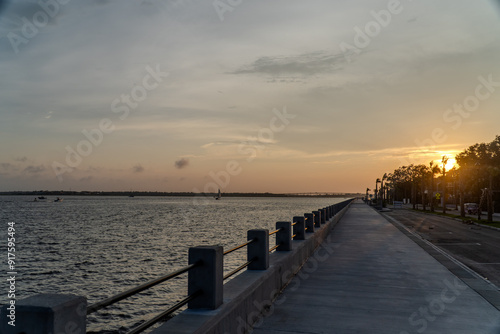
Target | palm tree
(421,171)
(382,188)
(433,170)
(444,161)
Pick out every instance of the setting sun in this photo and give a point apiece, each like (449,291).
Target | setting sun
(449,164)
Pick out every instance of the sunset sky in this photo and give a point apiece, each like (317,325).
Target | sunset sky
(278,96)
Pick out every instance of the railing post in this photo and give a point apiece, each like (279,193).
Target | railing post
(45,314)
(329,212)
(299,229)
(309,218)
(207,277)
(284,236)
(323,216)
(258,250)
(317,219)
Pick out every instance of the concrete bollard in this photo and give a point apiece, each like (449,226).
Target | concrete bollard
(208,277)
(299,229)
(309,218)
(323,216)
(45,314)
(258,250)
(317,219)
(284,237)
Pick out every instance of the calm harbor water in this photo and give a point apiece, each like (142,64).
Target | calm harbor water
(99,246)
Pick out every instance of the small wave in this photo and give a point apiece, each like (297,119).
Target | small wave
(52,272)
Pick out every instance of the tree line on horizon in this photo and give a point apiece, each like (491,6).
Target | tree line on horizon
(476,180)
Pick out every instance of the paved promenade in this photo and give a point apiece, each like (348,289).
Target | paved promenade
(370,277)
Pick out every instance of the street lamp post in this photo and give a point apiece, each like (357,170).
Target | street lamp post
(382,189)
(376,190)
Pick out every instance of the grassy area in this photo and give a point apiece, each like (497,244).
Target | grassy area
(475,220)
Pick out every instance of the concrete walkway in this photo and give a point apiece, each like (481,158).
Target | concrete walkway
(371,278)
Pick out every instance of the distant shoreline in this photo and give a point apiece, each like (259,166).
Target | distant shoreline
(169,194)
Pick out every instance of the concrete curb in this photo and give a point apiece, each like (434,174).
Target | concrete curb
(487,226)
(248,297)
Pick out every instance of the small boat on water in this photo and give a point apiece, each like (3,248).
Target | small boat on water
(58,199)
(42,197)
(218,195)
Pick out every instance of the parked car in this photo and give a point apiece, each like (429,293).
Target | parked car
(471,208)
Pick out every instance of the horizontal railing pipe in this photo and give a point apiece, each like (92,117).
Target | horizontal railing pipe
(237,270)
(274,248)
(239,247)
(142,327)
(116,298)
(275,231)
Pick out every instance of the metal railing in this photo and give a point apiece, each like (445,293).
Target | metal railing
(274,248)
(243,266)
(162,315)
(275,231)
(237,270)
(116,298)
(239,247)
(128,293)
(205,269)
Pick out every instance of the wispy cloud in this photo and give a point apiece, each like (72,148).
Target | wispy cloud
(138,169)
(34,169)
(86,179)
(307,64)
(181,163)
(7,167)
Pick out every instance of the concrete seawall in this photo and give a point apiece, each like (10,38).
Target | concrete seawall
(248,297)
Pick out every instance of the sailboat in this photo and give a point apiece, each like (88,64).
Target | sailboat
(218,195)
